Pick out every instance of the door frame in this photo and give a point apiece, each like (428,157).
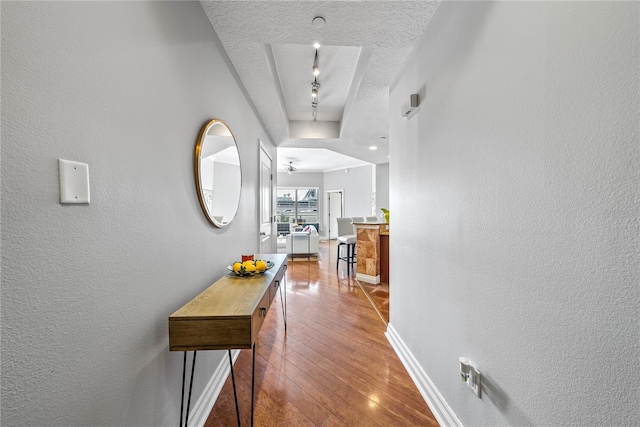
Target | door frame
(341,191)
(264,226)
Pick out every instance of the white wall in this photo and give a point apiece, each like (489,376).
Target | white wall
(87,289)
(300,179)
(522,164)
(357,184)
(382,188)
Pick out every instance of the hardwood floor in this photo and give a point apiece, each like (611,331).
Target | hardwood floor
(332,367)
(378,296)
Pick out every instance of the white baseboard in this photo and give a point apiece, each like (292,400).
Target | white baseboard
(374,280)
(202,408)
(441,410)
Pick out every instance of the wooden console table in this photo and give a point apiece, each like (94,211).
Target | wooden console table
(225,316)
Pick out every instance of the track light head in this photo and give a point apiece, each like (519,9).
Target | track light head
(314,89)
(315,68)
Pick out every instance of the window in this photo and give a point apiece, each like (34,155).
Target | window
(297,205)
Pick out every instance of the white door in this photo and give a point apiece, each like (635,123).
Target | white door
(267,244)
(335,211)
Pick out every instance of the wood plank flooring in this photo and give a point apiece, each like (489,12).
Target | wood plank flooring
(332,367)
(378,296)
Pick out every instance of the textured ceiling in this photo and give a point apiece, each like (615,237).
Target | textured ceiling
(363,46)
(337,66)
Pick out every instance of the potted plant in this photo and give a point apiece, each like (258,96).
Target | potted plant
(386,214)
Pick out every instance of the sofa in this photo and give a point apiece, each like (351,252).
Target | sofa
(304,242)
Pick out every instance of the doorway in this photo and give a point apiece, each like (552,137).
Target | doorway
(266,196)
(335,209)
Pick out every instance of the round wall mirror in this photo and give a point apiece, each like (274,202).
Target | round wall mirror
(218,173)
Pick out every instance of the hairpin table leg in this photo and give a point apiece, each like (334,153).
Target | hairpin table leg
(233,382)
(184,374)
(283,300)
(184,369)
(253,379)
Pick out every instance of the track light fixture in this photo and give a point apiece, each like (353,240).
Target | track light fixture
(315,68)
(318,22)
(315,86)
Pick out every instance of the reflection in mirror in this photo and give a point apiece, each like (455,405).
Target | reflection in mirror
(218,173)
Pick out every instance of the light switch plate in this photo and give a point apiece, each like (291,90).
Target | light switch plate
(74,181)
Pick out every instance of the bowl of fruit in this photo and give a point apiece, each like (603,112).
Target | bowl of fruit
(250,267)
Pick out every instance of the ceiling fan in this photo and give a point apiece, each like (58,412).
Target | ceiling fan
(290,168)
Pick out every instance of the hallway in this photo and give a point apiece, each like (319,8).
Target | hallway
(332,367)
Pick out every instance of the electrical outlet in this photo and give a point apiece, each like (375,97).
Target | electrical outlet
(470,375)
(475,382)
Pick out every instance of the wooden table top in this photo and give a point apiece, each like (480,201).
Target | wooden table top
(232,295)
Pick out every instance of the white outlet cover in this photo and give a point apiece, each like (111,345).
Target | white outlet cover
(74,181)
(475,381)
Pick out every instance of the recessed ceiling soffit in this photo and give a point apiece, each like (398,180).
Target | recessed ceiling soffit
(363,46)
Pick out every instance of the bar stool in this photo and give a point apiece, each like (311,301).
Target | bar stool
(346,237)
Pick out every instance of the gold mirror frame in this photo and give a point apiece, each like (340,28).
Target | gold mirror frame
(221,210)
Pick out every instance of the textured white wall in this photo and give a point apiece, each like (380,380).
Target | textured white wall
(514,191)
(86,290)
